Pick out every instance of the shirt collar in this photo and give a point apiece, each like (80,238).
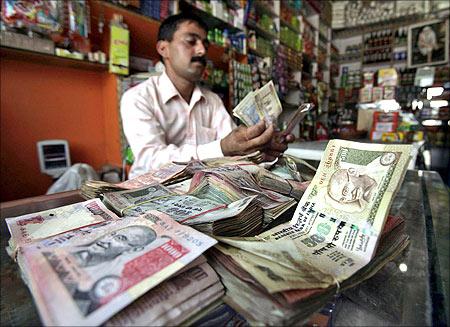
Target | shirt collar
(168,90)
(197,95)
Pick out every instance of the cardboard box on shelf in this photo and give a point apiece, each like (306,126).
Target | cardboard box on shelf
(385,121)
(365,119)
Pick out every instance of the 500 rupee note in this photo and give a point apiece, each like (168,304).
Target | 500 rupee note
(338,220)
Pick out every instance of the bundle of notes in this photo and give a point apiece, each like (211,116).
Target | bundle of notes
(281,244)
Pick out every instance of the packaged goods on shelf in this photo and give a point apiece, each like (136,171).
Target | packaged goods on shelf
(240,81)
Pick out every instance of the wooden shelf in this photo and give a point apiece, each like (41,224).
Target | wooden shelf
(348,61)
(380,63)
(218,55)
(48,59)
(125,11)
(380,47)
(392,23)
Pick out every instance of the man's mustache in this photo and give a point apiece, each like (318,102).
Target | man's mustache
(201,60)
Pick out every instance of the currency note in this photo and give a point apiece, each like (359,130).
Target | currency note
(161,175)
(277,265)
(231,210)
(182,208)
(247,110)
(154,305)
(128,199)
(262,104)
(39,225)
(268,102)
(338,220)
(177,315)
(240,183)
(88,279)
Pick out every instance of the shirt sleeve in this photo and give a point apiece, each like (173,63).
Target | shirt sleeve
(147,138)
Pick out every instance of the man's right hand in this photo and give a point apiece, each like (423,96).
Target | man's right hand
(245,140)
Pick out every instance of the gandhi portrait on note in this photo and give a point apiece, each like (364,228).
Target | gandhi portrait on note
(108,247)
(349,190)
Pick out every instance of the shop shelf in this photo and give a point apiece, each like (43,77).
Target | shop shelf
(257,53)
(209,19)
(48,59)
(126,11)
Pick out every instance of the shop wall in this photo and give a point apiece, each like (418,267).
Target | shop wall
(40,102)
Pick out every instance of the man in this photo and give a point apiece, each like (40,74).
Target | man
(110,246)
(170,118)
(350,191)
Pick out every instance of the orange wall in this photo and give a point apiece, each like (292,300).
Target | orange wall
(41,102)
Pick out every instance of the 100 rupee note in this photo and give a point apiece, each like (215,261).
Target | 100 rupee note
(39,225)
(89,278)
(168,296)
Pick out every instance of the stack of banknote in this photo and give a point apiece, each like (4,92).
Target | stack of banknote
(269,180)
(251,285)
(240,216)
(95,189)
(236,181)
(170,174)
(36,226)
(174,301)
(86,275)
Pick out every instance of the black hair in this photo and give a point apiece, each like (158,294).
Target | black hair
(170,25)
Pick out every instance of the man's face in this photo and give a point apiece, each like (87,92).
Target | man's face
(115,243)
(186,53)
(348,186)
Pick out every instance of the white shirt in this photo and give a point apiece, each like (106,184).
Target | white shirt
(162,127)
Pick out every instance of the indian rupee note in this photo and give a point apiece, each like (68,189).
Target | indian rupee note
(87,279)
(170,294)
(39,225)
(268,102)
(247,110)
(338,220)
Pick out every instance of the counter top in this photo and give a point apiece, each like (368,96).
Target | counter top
(417,294)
